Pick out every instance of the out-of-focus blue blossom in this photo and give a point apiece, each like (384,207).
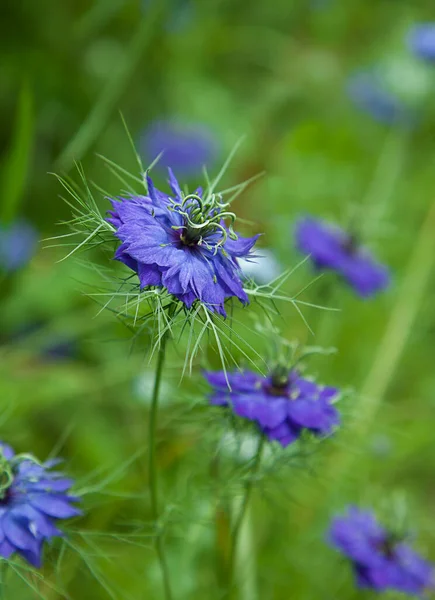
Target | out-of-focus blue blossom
(59,349)
(32,499)
(380,558)
(18,243)
(186,148)
(421,41)
(283,404)
(48,345)
(333,248)
(180,243)
(370,93)
(262,269)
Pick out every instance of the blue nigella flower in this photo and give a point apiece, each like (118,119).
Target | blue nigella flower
(186,148)
(32,500)
(370,94)
(381,559)
(283,404)
(421,41)
(18,242)
(180,243)
(333,248)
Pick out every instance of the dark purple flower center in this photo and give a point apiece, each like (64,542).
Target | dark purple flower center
(350,243)
(387,545)
(190,238)
(278,384)
(6,496)
(203,222)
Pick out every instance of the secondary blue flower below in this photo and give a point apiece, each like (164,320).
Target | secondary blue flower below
(180,243)
(32,499)
(369,93)
(422,41)
(283,404)
(380,559)
(18,243)
(332,248)
(186,148)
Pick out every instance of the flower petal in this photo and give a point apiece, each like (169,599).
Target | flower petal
(54,506)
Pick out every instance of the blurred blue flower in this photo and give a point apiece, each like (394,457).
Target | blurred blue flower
(421,41)
(32,499)
(380,558)
(18,242)
(330,247)
(48,345)
(186,148)
(60,349)
(370,94)
(283,404)
(180,243)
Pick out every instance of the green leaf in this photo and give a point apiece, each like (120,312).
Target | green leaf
(16,166)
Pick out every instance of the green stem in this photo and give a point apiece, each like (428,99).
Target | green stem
(152,468)
(3,572)
(240,517)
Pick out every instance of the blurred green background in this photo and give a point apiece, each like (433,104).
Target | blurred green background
(72,382)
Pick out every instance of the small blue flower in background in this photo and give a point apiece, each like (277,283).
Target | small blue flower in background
(18,243)
(370,94)
(283,404)
(32,499)
(333,248)
(380,559)
(180,243)
(186,148)
(421,41)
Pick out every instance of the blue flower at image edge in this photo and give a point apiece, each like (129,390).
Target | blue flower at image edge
(18,242)
(381,561)
(31,503)
(283,404)
(333,248)
(186,148)
(368,92)
(180,243)
(421,41)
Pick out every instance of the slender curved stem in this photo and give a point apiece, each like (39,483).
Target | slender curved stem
(152,468)
(241,515)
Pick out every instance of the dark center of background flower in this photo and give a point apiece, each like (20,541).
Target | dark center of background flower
(278,382)
(388,544)
(350,243)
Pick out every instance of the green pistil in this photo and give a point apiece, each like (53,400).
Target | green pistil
(280,377)
(6,476)
(202,218)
